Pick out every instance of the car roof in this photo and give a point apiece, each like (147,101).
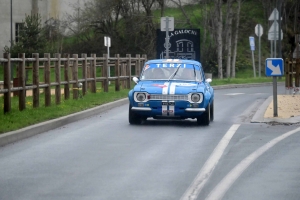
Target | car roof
(193,62)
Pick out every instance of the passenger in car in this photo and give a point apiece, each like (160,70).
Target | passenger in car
(187,74)
(159,74)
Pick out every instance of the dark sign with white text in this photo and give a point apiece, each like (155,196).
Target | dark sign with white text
(183,44)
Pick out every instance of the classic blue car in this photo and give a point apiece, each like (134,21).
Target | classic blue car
(171,89)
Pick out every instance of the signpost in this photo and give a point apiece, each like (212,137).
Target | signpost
(107,44)
(274,67)
(259,32)
(167,24)
(252,47)
(273,33)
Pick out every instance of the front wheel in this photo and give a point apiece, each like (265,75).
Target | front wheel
(212,111)
(133,117)
(204,119)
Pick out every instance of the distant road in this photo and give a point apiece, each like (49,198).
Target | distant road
(103,157)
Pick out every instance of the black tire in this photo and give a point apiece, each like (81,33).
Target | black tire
(204,119)
(133,117)
(212,111)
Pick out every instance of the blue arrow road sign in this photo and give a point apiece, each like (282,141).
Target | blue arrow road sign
(274,67)
(252,43)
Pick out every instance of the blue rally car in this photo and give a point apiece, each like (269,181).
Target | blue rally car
(171,89)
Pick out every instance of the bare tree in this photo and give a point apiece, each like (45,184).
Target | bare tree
(236,36)
(161,4)
(219,21)
(180,6)
(228,31)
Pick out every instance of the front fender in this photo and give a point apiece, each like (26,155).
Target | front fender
(130,97)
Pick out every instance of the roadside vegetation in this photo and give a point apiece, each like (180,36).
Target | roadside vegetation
(16,119)
(133,30)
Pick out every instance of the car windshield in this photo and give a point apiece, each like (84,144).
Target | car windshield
(168,71)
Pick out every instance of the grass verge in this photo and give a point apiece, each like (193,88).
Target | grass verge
(16,119)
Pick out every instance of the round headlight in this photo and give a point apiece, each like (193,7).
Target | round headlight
(195,97)
(140,96)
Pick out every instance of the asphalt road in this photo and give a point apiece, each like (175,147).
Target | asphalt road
(103,157)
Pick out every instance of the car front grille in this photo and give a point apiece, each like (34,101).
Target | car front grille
(169,97)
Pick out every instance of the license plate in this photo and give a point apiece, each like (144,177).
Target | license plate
(168,103)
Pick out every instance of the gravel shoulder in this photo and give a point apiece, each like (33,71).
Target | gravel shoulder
(288,106)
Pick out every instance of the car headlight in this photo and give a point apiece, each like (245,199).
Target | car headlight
(140,96)
(196,97)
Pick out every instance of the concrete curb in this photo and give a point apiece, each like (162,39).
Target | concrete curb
(259,115)
(245,85)
(13,136)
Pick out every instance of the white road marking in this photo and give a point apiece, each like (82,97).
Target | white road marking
(204,174)
(232,94)
(219,191)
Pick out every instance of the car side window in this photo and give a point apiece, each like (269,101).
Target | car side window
(202,74)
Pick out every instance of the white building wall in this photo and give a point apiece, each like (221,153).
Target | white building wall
(56,9)
(20,8)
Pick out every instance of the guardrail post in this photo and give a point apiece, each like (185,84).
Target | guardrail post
(144,56)
(47,79)
(75,76)
(297,75)
(105,72)
(84,74)
(128,56)
(93,73)
(21,81)
(137,64)
(6,84)
(57,79)
(117,72)
(35,81)
(66,75)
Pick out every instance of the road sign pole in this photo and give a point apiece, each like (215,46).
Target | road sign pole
(259,31)
(275,109)
(167,24)
(253,63)
(275,68)
(259,53)
(107,44)
(167,37)
(252,48)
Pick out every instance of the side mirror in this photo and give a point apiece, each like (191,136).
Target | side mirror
(209,80)
(135,79)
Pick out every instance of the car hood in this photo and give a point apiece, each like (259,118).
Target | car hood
(169,87)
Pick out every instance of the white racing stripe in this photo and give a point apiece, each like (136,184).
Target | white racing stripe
(219,191)
(172,91)
(166,89)
(171,109)
(204,174)
(172,88)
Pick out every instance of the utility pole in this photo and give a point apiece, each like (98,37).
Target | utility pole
(11,39)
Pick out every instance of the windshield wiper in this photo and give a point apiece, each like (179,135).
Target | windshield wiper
(174,73)
(195,76)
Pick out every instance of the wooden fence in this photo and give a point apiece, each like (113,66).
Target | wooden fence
(292,72)
(123,68)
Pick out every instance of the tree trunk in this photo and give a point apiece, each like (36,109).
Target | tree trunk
(236,36)
(219,21)
(179,4)
(228,37)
